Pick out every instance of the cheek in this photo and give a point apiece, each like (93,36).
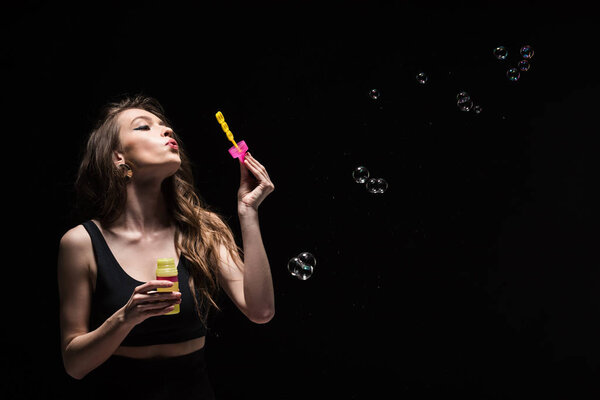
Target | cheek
(142,151)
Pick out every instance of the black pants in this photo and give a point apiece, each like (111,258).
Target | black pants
(181,378)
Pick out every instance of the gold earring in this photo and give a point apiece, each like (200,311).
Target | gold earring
(127,172)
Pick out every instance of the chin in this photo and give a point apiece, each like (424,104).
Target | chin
(172,167)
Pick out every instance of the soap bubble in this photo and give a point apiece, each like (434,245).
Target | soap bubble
(422,78)
(294,266)
(372,185)
(500,52)
(374,94)
(477,109)
(462,95)
(307,259)
(513,74)
(382,185)
(376,185)
(526,51)
(524,65)
(305,272)
(302,266)
(360,174)
(464,102)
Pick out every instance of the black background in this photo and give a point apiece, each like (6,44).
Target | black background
(473,275)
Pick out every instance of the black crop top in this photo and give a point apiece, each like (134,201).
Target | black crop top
(114,287)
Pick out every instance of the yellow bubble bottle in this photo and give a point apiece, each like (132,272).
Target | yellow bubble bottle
(167,270)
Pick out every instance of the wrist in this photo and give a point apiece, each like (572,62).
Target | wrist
(120,319)
(247,213)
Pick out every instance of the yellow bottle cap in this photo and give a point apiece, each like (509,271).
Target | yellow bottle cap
(165,263)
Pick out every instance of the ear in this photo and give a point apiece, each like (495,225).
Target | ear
(118,157)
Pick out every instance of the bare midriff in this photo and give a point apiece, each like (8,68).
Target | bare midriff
(161,350)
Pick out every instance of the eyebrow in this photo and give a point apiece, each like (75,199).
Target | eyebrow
(147,119)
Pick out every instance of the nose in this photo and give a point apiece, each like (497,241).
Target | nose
(168,133)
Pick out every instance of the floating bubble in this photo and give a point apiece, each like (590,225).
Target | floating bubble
(382,185)
(360,174)
(464,102)
(524,65)
(500,52)
(376,185)
(462,95)
(422,78)
(526,51)
(513,74)
(374,94)
(465,105)
(294,266)
(305,272)
(307,259)
(302,266)
(372,185)
(477,109)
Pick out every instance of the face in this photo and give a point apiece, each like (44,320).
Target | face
(147,144)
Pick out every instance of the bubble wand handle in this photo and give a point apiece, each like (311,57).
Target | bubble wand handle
(225,127)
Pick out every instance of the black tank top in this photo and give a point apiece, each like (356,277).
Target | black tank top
(114,287)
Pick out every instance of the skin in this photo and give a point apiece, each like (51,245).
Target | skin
(144,233)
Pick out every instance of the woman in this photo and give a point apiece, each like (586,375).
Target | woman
(136,189)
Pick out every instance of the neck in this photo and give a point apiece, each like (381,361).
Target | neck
(145,210)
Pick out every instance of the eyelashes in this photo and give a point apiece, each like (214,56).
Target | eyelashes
(147,128)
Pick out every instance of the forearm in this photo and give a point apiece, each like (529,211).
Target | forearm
(88,351)
(258,283)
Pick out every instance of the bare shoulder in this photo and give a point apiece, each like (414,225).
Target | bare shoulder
(76,237)
(75,247)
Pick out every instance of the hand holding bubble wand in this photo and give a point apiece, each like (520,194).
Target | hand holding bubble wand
(235,151)
(255,183)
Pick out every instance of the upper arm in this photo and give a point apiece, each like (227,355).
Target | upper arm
(74,284)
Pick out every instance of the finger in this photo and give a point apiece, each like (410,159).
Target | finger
(257,169)
(254,160)
(156,309)
(160,301)
(153,284)
(166,310)
(252,168)
(256,173)
(143,308)
(243,169)
(153,297)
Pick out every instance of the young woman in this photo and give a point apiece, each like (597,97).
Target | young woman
(137,195)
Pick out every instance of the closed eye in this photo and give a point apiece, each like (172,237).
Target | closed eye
(144,127)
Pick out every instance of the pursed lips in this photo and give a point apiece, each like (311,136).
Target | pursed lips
(172,143)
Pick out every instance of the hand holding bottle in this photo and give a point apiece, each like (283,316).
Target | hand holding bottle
(147,302)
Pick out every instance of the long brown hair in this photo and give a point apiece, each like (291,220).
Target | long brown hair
(101,193)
